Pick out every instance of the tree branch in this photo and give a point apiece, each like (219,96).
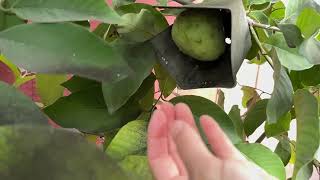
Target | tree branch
(263,26)
(263,51)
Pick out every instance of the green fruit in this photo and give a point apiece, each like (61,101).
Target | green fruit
(199,34)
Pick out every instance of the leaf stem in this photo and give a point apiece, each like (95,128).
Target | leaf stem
(263,26)
(263,51)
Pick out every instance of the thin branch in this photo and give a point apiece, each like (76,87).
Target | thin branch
(261,138)
(263,51)
(255,89)
(263,26)
(154,106)
(257,77)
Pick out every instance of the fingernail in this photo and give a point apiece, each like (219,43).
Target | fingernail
(176,128)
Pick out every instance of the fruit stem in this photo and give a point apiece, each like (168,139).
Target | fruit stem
(263,51)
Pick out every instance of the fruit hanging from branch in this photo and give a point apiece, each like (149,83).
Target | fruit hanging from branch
(200,34)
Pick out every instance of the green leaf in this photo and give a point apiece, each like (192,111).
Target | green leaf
(86,110)
(9,20)
(278,12)
(118,3)
(137,166)
(85,24)
(310,49)
(137,27)
(308,22)
(201,106)
(319,105)
(16,108)
(108,137)
(305,172)
(130,140)
(49,87)
(259,4)
(294,8)
(288,57)
(63,154)
(245,4)
(282,125)
(281,98)
(295,78)
(171,11)
(308,131)
(318,36)
(144,116)
(255,117)
(61,10)
(57,48)
(77,83)
(101,29)
(259,16)
(166,82)
(250,96)
(306,77)
(140,22)
(258,1)
(235,116)
(264,158)
(140,58)
(292,34)
(283,150)
(146,102)
(253,52)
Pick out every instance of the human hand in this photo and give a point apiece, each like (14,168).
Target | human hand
(177,152)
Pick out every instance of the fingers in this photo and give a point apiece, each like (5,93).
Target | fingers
(169,111)
(192,150)
(184,113)
(161,163)
(219,142)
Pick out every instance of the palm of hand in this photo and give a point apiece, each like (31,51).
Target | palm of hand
(177,152)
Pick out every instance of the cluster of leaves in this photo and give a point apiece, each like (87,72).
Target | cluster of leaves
(114,69)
